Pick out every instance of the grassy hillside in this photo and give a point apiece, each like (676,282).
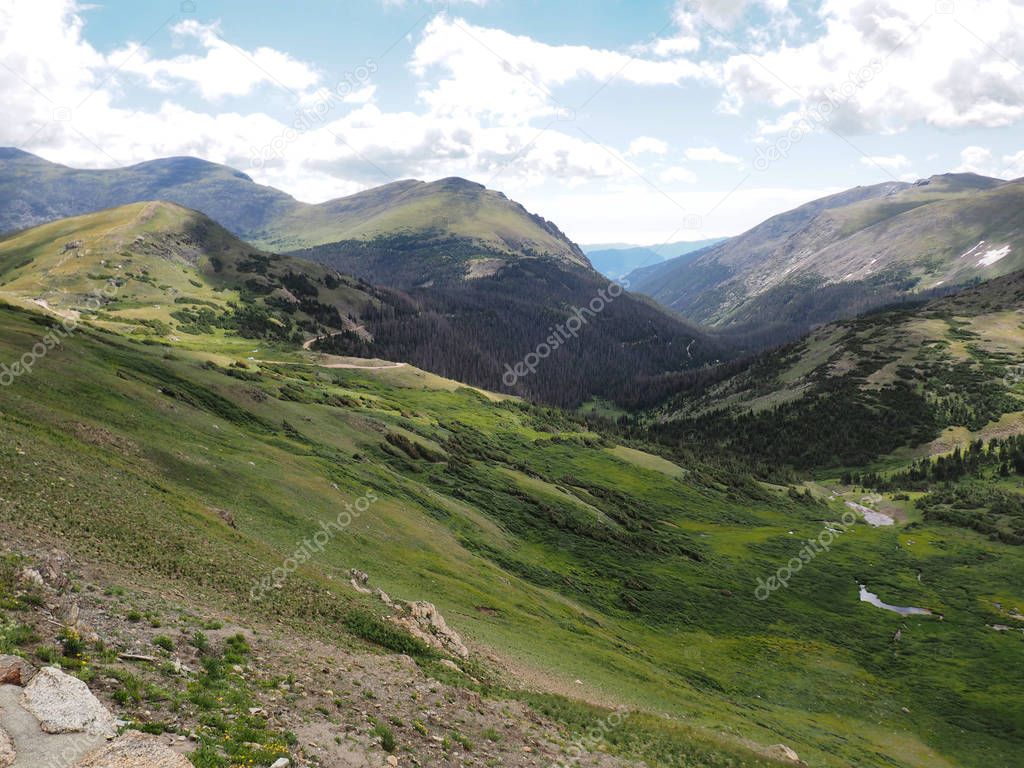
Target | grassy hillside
(467,226)
(169,273)
(577,565)
(159,270)
(454,214)
(35,191)
(843,255)
(851,392)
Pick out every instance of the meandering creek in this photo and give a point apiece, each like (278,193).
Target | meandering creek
(902,610)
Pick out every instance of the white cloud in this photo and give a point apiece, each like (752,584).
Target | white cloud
(403,3)
(975,159)
(511,77)
(646,145)
(488,105)
(1013,167)
(712,155)
(892,163)
(678,173)
(886,65)
(351,144)
(673,46)
(222,70)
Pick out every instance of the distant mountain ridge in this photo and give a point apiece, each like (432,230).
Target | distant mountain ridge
(846,253)
(618,260)
(484,223)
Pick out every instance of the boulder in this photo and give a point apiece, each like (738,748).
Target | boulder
(430,619)
(782,753)
(359,581)
(134,750)
(31,576)
(55,570)
(64,704)
(7,753)
(14,670)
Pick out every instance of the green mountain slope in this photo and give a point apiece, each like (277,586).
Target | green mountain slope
(466,227)
(173,274)
(160,269)
(844,254)
(437,213)
(35,191)
(854,391)
(567,562)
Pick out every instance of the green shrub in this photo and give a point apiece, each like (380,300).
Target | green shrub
(387,738)
(367,626)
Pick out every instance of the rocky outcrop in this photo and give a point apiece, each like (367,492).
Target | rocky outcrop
(420,619)
(64,704)
(134,750)
(360,579)
(14,670)
(55,570)
(782,753)
(426,622)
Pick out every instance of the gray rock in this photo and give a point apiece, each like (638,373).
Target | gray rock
(782,753)
(33,747)
(64,704)
(31,576)
(427,615)
(134,750)
(7,753)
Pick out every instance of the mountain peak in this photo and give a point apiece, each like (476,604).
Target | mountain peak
(959,181)
(457,182)
(185,168)
(13,153)
(467,220)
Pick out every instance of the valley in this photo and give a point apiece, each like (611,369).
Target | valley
(299,512)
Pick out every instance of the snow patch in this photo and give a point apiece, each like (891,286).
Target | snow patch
(972,250)
(992,255)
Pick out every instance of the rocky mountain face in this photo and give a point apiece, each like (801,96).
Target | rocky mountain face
(844,254)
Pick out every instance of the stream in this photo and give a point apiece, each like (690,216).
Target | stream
(902,610)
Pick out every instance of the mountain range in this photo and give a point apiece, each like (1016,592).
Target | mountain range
(616,260)
(847,253)
(370,233)
(343,483)
(448,276)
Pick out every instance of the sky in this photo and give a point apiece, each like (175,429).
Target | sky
(635,122)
